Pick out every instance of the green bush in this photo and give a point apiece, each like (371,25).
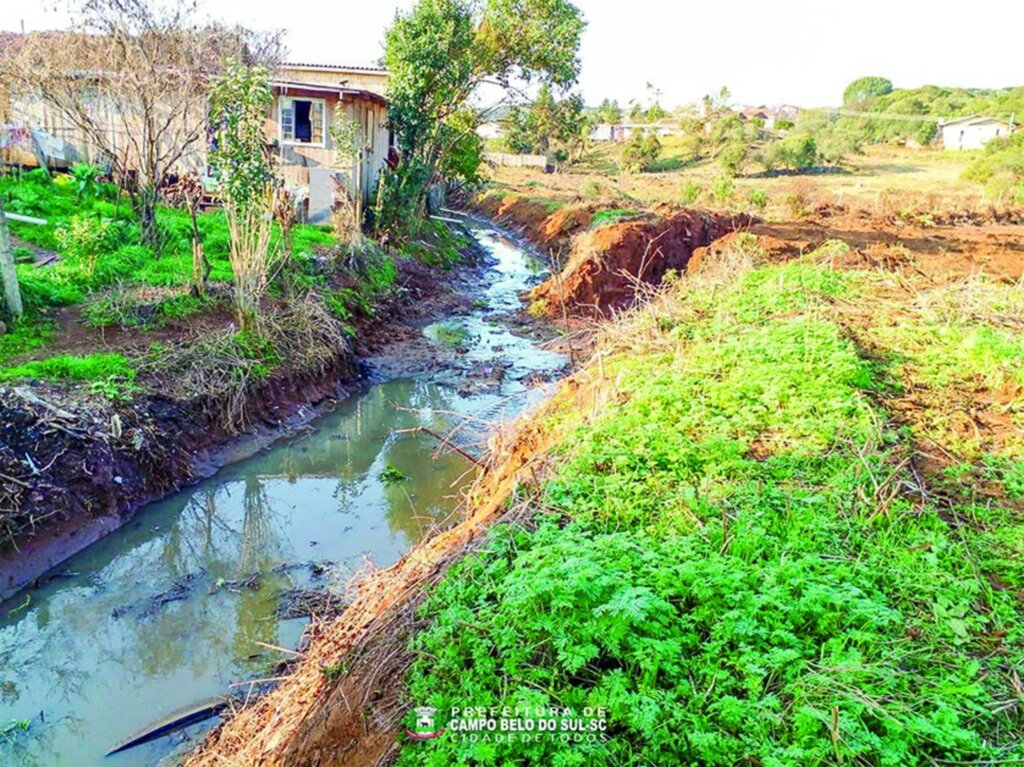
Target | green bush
(720,571)
(758,199)
(641,152)
(691,192)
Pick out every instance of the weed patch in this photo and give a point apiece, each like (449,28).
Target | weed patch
(738,562)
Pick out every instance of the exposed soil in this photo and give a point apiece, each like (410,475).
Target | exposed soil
(610,266)
(312,720)
(75,467)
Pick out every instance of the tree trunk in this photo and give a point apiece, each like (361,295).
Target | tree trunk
(145,210)
(8,273)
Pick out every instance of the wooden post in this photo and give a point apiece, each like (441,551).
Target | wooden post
(8,274)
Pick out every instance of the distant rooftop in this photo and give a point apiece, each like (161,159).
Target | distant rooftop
(335,67)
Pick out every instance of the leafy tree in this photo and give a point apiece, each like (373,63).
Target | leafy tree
(438,53)
(864,88)
(609,111)
(549,127)
(153,59)
(733,156)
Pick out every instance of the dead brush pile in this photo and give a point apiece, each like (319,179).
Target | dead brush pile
(223,367)
(64,455)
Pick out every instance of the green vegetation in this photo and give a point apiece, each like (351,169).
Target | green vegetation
(641,152)
(613,216)
(738,560)
(557,129)
(390,475)
(110,375)
(1001,168)
(451,335)
(437,54)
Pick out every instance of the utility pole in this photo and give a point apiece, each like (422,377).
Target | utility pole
(8,274)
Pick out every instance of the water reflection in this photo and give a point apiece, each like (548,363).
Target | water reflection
(144,623)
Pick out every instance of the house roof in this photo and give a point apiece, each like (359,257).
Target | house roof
(333,67)
(973,120)
(296,85)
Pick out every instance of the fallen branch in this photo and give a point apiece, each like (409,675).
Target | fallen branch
(444,441)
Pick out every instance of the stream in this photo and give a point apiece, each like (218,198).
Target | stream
(171,608)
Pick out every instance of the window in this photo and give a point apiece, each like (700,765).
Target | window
(302,121)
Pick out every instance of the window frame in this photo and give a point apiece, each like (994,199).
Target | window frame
(290,101)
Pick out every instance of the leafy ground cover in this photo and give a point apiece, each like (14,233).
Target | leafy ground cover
(746,556)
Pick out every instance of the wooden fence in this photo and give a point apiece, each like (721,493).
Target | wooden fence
(519,160)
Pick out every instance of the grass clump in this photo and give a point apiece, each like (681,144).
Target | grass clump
(66,367)
(740,565)
(614,216)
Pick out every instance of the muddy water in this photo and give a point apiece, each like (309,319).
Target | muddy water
(170,609)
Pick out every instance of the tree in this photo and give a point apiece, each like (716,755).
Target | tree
(439,53)
(864,88)
(8,272)
(550,127)
(239,100)
(131,76)
(641,151)
(609,111)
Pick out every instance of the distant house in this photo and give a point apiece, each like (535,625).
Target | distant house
(763,114)
(624,131)
(490,130)
(768,115)
(308,99)
(603,132)
(973,132)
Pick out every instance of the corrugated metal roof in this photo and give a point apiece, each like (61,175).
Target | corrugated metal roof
(338,67)
(293,85)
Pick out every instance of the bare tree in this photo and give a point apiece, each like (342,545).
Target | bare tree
(130,78)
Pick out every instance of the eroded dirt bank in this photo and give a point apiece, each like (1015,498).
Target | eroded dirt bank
(609,267)
(97,462)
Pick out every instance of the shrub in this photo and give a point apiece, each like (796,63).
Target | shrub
(722,189)
(691,192)
(641,152)
(732,157)
(82,241)
(758,199)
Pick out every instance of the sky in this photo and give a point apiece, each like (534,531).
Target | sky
(767,52)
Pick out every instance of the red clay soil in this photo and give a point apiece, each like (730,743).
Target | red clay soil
(535,221)
(610,265)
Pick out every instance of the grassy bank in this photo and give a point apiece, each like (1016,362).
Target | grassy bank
(118,345)
(770,540)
